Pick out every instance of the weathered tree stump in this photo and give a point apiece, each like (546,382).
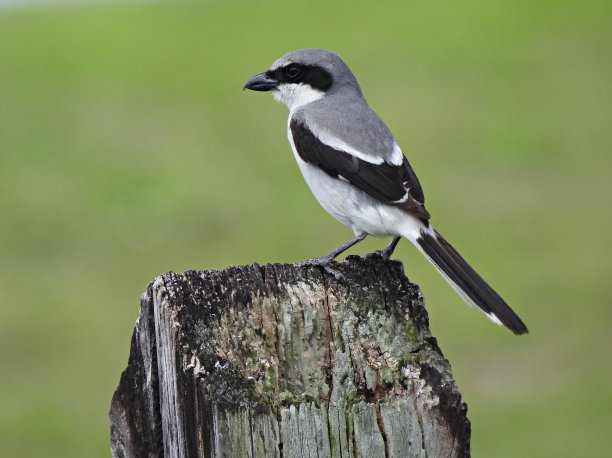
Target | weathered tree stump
(285,361)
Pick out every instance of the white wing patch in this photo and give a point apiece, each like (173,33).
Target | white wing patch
(340,145)
(403,199)
(397,157)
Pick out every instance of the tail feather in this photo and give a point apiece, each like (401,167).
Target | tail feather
(470,286)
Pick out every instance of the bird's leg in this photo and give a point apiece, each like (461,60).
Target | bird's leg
(387,252)
(328,258)
(334,253)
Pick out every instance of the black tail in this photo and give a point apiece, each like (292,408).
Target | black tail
(470,286)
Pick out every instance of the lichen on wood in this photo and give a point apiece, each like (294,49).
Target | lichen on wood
(283,360)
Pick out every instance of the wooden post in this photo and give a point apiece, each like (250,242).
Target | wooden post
(285,361)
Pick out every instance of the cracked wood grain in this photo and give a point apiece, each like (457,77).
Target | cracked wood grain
(284,361)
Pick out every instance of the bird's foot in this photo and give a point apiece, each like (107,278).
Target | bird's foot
(325,263)
(385,254)
(382,254)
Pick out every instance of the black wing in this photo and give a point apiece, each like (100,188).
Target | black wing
(385,182)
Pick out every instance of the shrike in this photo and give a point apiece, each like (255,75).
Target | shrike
(358,173)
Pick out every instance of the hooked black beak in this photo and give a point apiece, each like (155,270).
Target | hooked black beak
(261,82)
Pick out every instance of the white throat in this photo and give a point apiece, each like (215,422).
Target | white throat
(297,95)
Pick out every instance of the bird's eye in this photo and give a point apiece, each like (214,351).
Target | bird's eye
(293,71)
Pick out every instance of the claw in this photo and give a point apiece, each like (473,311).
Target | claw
(325,262)
(334,273)
(387,252)
(382,254)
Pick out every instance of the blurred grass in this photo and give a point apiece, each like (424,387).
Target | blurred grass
(128,149)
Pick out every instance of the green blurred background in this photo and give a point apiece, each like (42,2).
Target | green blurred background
(128,149)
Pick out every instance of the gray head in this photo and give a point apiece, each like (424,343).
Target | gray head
(303,76)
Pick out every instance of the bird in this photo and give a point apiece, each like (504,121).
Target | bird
(358,173)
